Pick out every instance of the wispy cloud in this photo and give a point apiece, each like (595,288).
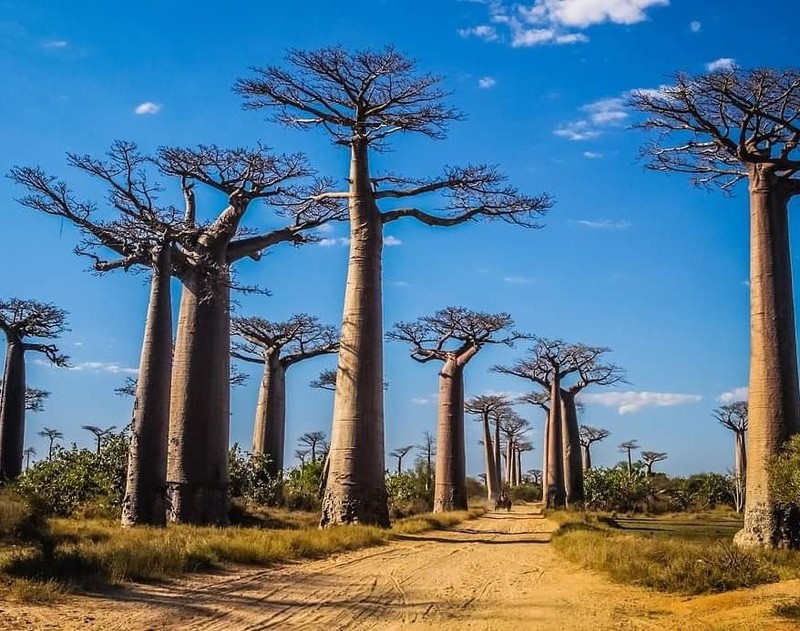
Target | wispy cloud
(486,83)
(518,280)
(388,241)
(148,107)
(723,63)
(737,394)
(423,400)
(604,224)
(110,367)
(629,402)
(400,283)
(55,44)
(695,26)
(554,22)
(592,155)
(598,117)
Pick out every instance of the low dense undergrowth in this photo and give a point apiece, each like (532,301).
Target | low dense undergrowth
(95,554)
(677,560)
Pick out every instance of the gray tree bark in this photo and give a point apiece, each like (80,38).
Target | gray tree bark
(269,428)
(573,467)
(450,488)
(492,484)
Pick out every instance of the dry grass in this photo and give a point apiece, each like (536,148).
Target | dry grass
(789,609)
(669,555)
(95,554)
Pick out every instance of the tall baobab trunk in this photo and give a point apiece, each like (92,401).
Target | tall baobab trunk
(145,488)
(450,490)
(492,485)
(774,401)
(197,471)
(356,488)
(545,452)
(498,460)
(586,457)
(555,471)
(269,427)
(518,463)
(740,471)
(12,411)
(510,462)
(573,467)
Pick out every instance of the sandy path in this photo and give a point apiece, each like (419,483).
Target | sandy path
(496,572)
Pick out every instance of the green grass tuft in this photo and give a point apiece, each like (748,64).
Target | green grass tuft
(789,609)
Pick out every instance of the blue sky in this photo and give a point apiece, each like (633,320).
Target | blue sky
(637,261)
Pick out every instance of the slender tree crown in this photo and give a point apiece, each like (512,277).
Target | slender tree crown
(651,457)
(301,337)
(628,446)
(486,404)
(714,125)
(401,452)
(363,98)
(34,398)
(454,333)
(52,434)
(512,424)
(733,416)
(325,381)
(589,435)
(23,319)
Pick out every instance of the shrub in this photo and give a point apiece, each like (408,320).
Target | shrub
(407,493)
(525,493)
(251,480)
(785,473)
(615,489)
(301,486)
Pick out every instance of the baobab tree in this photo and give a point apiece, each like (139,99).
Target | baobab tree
(513,427)
(522,446)
(590,435)
(400,453)
(52,435)
(313,440)
(277,346)
(28,453)
(325,381)
(626,448)
(734,418)
(724,128)
(649,458)
(99,434)
(535,476)
(453,336)
(301,455)
(362,100)
(28,326)
(428,453)
(484,407)
(551,364)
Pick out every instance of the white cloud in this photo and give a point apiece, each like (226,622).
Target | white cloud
(518,280)
(390,241)
(401,283)
(422,400)
(110,367)
(592,155)
(56,44)
(605,224)
(695,26)
(148,107)
(485,32)
(556,21)
(328,242)
(737,394)
(599,116)
(721,64)
(629,402)
(487,82)
(578,130)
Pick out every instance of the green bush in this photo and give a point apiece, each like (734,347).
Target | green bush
(615,489)
(251,480)
(784,473)
(74,479)
(525,493)
(408,494)
(301,486)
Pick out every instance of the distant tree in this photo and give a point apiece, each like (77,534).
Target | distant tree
(649,458)
(99,433)
(313,440)
(362,100)
(485,408)
(522,446)
(52,435)
(277,346)
(28,453)
(27,326)
(723,128)
(301,455)
(590,435)
(626,448)
(734,418)
(428,449)
(535,476)
(452,336)
(325,381)
(513,427)
(128,389)
(400,453)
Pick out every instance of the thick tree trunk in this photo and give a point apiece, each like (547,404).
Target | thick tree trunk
(450,490)
(586,457)
(146,485)
(774,401)
(492,485)
(510,462)
(545,450)
(740,462)
(197,471)
(356,488)
(573,467)
(555,461)
(12,411)
(269,428)
(519,467)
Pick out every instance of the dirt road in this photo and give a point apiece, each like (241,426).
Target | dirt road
(494,573)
